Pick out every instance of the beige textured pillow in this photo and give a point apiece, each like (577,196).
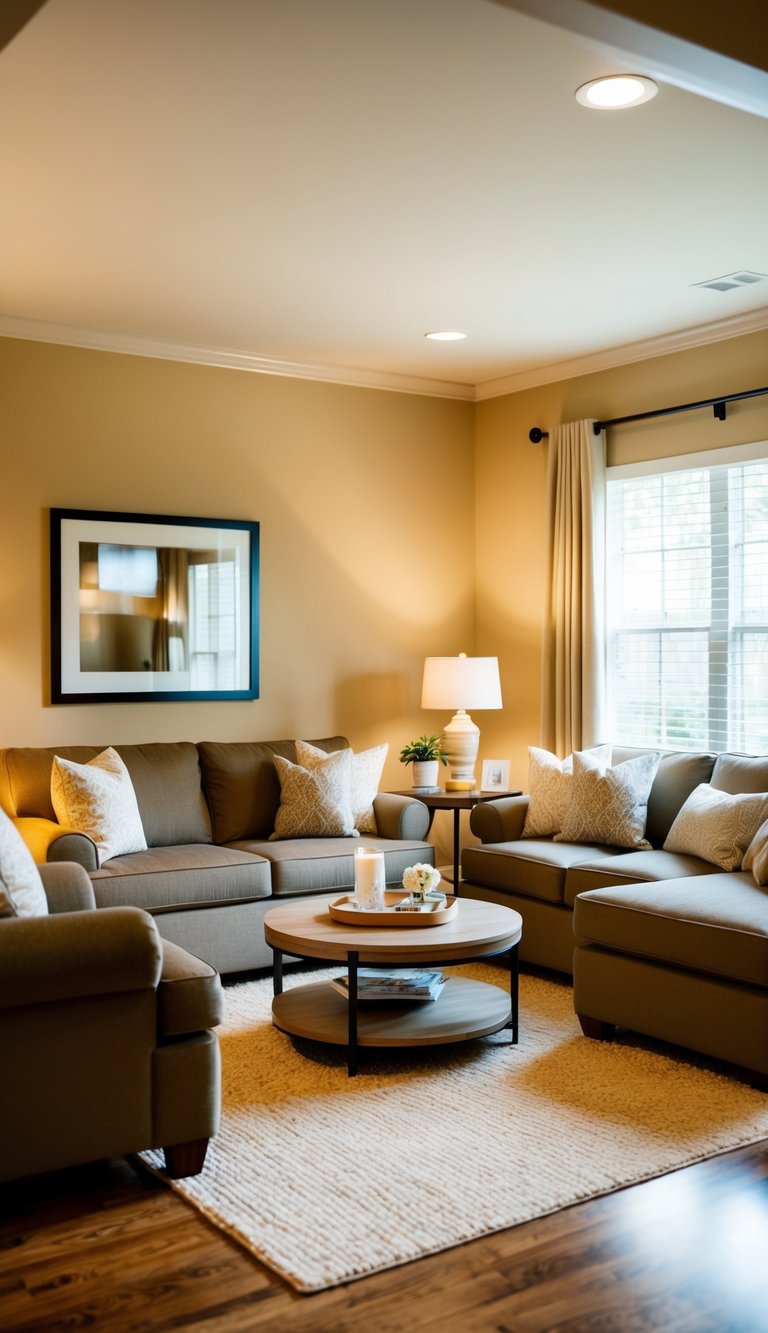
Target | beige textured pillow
(314,804)
(364,780)
(717,826)
(549,788)
(756,855)
(21,888)
(98,799)
(609,805)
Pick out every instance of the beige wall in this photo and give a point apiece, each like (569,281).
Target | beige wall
(510,494)
(365,501)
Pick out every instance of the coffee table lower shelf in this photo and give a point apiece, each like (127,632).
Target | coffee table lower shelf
(464,1010)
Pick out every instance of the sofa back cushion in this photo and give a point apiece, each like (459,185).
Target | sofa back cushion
(737,773)
(676,777)
(242,787)
(165,777)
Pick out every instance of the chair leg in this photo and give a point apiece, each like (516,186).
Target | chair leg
(596,1028)
(185,1159)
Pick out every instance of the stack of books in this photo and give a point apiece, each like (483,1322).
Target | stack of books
(401,984)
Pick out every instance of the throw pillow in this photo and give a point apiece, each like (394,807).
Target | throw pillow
(756,856)
(21,888)
(717,826)
(314,804)
(549,789)
(98,799)
(609,805)
(364,781)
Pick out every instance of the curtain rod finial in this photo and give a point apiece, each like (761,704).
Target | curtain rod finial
(536,435)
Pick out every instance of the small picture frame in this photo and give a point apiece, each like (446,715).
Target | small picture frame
(495,775)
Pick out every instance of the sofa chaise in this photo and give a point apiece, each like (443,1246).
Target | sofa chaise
(211,869)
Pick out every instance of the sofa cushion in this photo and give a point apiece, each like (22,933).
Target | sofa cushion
(632,868)
(740,773)
(189,997)
(21,888)
(98,799)
(717,923)
(163,878)
(315,804)
(717,826)
(609,805)
(312,865)
(241,784)
(365,775)
(549,789)
(168,785)
(535,868)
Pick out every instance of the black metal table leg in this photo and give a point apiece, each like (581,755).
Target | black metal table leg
(277,971)
(514,991)
(352,962)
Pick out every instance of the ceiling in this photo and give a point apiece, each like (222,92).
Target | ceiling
(309,186)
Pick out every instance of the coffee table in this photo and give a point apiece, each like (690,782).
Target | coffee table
(465,1009)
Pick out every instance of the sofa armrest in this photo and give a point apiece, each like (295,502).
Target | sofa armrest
(190,998)
(49,841)
(499,821)
(400,817)
(46,959)
(68,887)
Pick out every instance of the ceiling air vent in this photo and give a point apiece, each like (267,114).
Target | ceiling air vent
(743,278)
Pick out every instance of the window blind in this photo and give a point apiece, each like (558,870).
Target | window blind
(687,610)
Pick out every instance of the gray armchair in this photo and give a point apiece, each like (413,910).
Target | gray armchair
(106,1042)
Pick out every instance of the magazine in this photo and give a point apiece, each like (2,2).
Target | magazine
(402,984)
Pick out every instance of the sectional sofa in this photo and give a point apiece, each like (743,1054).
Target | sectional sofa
(663,942)
(210,870)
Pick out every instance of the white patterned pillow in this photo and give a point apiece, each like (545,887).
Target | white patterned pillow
(756,855)
(316,804)
(717,826)
(549,787)
(609,805)
(21,888)
(98,799)
(364,782)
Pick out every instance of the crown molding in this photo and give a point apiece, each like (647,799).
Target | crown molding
(100,340)
(664,345)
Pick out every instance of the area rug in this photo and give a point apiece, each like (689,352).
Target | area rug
(327,1178)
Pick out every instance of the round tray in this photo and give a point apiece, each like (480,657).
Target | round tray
(344,909)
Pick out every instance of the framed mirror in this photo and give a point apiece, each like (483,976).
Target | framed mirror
(152,606)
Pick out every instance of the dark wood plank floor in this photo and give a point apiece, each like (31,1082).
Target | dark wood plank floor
(108,1247)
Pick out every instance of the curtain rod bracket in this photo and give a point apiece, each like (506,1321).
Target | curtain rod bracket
(718,411)
(536,435)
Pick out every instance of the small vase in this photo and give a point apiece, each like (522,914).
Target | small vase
(425,773)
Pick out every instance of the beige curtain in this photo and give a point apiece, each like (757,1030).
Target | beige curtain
(573,694)
(169,647)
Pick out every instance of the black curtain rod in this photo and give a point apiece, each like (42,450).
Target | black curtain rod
(536,435)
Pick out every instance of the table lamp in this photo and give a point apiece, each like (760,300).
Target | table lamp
(462,683)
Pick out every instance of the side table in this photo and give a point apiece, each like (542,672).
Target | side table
(455,801)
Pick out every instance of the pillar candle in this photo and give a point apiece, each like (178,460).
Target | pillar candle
(369,879)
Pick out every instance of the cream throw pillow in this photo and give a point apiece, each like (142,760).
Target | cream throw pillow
(717,826)
(756,855)
(315,804)
(21,888)
(98,799)
(549,788)
(367,767)
(609,805)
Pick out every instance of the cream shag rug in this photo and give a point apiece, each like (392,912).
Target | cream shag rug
(326,1178)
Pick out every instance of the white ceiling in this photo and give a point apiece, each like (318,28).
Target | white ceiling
(309,186)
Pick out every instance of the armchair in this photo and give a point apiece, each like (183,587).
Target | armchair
(107,1045)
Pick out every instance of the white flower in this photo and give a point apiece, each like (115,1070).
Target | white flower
(421,878)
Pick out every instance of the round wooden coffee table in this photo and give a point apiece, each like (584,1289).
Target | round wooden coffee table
(465,1009)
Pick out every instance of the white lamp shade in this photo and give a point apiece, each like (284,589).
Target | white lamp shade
(461,682)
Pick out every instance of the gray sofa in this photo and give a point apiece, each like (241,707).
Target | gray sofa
(659,942)
(210,872)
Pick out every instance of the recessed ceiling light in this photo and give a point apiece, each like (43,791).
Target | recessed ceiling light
(618,90)
(448,336)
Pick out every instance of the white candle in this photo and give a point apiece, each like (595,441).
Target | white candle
(369,879)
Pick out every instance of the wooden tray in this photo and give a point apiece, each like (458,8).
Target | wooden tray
(344,909)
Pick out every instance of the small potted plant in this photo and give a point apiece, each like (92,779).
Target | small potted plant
(426,754)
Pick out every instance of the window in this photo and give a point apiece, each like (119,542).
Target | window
(687,613)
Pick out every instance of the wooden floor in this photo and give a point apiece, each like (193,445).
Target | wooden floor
(108,1247)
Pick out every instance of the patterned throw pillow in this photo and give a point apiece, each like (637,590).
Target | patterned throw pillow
(549,787)
(316,804)
(756,856)
(364,782)
(717,826)
(98,799)
(21,888)
(609,805)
